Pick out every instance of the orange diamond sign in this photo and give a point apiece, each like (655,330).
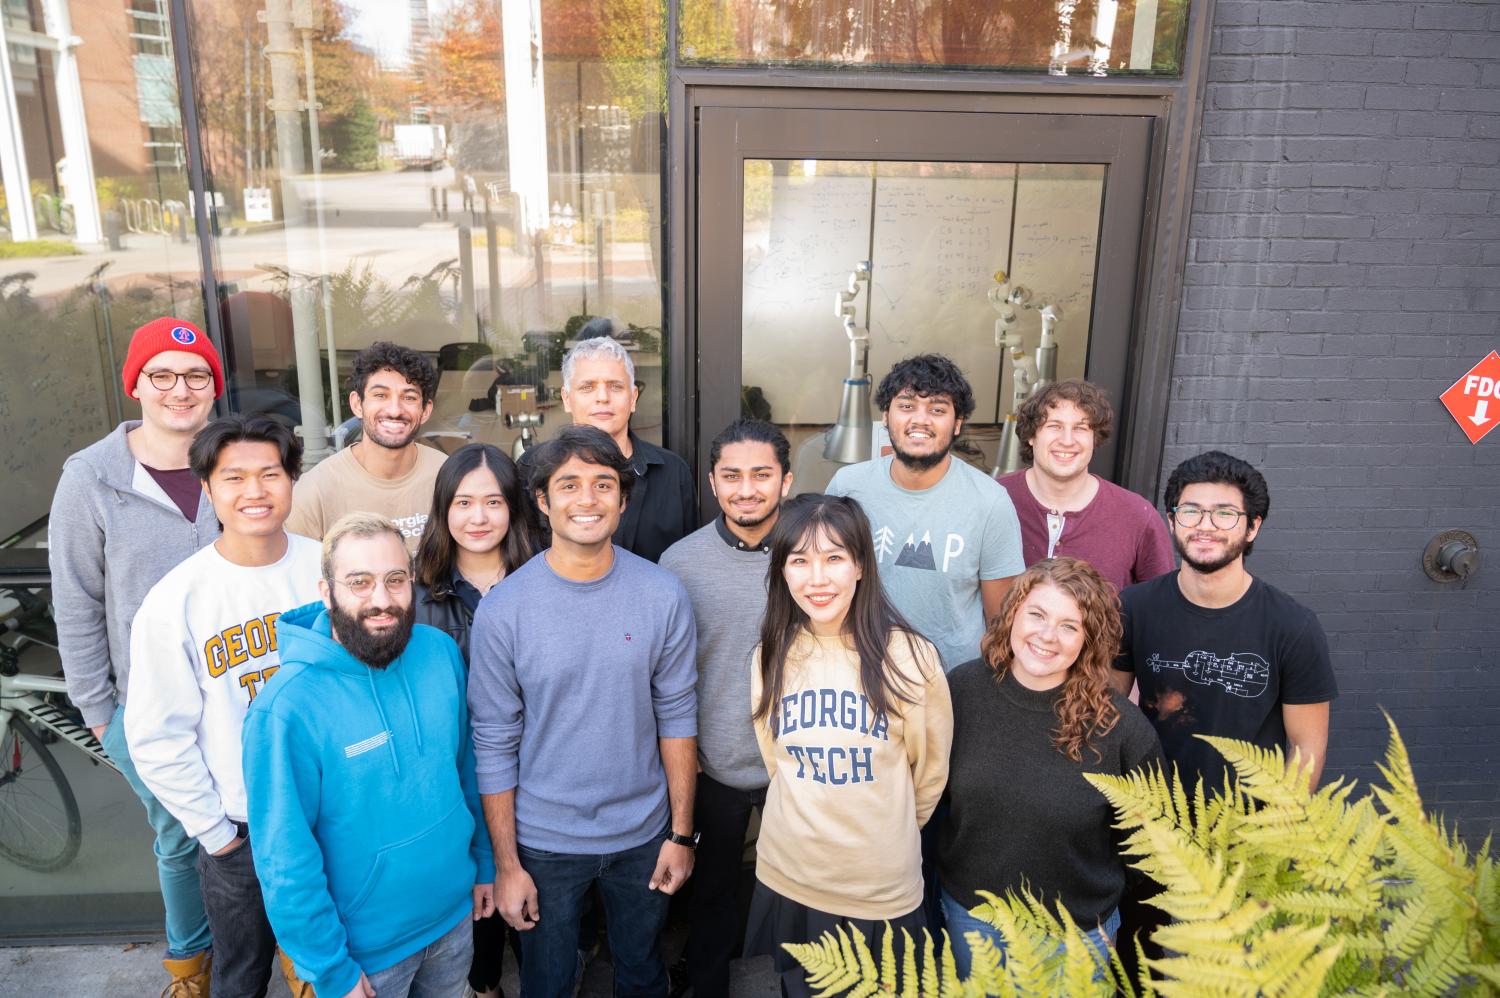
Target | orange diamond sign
(1474,399)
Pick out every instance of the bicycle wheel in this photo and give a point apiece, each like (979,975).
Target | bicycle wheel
(39,824)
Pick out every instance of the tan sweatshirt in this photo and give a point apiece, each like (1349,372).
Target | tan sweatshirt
(341,485)
(850,789)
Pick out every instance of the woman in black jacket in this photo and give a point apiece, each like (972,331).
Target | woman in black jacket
(479,532)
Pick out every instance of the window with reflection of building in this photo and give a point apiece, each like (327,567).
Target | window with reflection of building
(98,239)
(487,179)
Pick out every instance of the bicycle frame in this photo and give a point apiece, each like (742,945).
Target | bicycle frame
(18,694)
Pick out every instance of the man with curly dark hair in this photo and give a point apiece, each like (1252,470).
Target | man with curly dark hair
(386,471)
(1065,509)
(946,534)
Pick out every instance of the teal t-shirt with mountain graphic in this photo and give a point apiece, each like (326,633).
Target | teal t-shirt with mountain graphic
(935,545)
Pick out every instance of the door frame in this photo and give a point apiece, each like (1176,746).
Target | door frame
(1176,105)
(729,136)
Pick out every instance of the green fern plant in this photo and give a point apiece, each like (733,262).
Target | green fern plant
(1273,890)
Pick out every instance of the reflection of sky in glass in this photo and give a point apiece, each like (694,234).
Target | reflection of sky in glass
(384,26)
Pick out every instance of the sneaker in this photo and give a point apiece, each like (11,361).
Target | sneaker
(189,976)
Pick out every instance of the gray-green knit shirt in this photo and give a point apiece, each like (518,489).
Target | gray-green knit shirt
(728,590)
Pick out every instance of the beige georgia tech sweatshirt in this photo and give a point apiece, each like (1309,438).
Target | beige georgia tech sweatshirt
(850,788)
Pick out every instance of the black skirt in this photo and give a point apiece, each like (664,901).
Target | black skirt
(775,919)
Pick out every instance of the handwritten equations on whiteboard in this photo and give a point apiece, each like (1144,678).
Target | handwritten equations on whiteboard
(935,235)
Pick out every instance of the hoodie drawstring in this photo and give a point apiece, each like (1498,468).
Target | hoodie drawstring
(411,704)
(385,724)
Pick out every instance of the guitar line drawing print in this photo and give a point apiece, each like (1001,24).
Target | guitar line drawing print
(1242,674)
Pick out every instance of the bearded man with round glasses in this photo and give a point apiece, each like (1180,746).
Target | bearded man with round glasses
(1215,650)
(359,771)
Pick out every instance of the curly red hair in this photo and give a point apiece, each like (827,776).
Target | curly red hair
(1085,710)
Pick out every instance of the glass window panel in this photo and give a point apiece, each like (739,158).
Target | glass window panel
(967,259)
(1063,37)
(98,241)
(469,200)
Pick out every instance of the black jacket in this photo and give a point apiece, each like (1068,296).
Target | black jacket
(439,607)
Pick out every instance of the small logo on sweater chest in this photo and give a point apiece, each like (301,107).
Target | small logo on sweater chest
(361,747)
(627,635)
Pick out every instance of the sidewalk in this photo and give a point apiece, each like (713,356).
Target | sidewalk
(133,970)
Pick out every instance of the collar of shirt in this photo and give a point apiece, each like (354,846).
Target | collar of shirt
(764,547)
(643,455)
(465,591)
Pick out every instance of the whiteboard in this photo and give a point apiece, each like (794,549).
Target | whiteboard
(935,244)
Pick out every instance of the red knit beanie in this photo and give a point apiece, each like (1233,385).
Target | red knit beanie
(167,333)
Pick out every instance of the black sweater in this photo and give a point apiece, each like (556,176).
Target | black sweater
(1020,811)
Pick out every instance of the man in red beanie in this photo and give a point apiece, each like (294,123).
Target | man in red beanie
(126,511)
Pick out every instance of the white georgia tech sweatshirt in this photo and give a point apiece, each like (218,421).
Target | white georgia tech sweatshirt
(203,643)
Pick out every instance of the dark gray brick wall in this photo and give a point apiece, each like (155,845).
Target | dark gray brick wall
(1343,271)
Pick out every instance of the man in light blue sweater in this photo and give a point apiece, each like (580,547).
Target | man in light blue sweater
(581,691)
(723,566)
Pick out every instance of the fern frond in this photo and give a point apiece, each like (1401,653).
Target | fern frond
(1081,970)
(930,985)
(1263,773)
(910,982)
(1440,965)
(1413,924)
(888,960)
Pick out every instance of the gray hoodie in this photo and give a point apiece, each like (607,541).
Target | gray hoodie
(112,535)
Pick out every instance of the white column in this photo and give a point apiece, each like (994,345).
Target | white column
(13,153)
(284,53)
(526,108)
(1143,35)
(78,173)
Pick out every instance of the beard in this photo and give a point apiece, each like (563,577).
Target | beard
(375,650)
(1231,554)
(756,519)
(922,462)
(372,433)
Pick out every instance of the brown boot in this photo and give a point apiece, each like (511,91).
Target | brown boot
(189,976)
(296,985)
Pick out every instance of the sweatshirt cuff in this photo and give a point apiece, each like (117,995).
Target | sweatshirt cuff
(338,981)
(484,859)
(497,780)
(97,713)
(218,837)
(677,727)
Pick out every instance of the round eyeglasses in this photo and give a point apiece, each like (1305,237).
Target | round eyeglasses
(364,585)
(165,381)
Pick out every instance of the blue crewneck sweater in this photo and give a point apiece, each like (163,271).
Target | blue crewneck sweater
(364,814)
(571,685)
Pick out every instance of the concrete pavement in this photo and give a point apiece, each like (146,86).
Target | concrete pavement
(133,970)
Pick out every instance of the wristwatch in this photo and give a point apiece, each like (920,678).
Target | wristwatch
(691,841)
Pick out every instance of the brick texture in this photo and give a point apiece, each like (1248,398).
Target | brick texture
(1344,270)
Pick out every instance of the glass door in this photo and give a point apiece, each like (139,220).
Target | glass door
(832,243)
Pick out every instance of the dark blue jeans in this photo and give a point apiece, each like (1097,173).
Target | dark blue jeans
(634,915)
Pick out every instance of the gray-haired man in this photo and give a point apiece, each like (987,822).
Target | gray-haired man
(599,390)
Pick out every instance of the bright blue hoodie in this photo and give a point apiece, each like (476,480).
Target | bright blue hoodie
(367,826)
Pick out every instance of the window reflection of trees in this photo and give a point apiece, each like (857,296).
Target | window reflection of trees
(1065,36)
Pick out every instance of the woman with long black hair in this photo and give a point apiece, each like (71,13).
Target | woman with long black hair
(852,715)
(478,532)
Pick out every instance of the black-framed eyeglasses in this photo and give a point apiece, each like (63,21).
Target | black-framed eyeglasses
(363,585)
(165,381)
(1223,517)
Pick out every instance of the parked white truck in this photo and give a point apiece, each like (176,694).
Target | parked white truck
(421,145)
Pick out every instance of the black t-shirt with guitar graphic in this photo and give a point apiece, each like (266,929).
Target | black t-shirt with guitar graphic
(1223,671)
